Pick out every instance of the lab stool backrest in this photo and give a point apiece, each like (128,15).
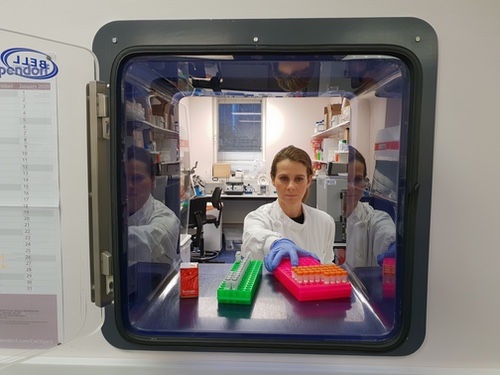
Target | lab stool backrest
(197,205)
(217,204)
(216,198)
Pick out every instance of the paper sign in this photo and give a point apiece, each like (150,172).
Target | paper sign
(30,251)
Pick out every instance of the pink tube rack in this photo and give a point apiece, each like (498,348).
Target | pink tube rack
(389,278)
(311,287)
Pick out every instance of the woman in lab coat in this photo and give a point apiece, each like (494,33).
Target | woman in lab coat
(288,228)
(153,229)
(370,232)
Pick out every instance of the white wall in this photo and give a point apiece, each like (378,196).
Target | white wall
(292,121)
(288,121)
(368,117)
(199,116)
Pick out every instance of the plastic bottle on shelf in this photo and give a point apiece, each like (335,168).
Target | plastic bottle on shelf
(320,126)
(341,155)
(343,145)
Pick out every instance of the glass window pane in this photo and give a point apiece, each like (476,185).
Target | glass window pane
(361,99)
(240,128)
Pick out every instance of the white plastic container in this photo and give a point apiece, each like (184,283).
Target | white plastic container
(343,145)
(329,146)
(342,156)
(185,247)
(233,238)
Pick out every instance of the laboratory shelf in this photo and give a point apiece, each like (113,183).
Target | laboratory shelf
(245,291)
(143,124)
(334,130)
(311,290)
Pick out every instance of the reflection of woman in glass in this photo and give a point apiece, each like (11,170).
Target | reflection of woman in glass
(153,229)
(370,232)
(293,76)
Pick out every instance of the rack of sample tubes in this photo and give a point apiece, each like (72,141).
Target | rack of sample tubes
(312,280)
(389,277)
(241,282)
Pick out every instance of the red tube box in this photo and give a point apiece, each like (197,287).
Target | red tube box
(189,280)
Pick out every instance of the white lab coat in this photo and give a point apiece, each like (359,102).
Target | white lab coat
(269,223)
(153,233)
(369,233)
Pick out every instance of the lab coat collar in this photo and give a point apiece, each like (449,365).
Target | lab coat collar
(361,212)
(283,218)
(145,212)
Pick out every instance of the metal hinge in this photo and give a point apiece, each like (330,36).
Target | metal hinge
(101,259)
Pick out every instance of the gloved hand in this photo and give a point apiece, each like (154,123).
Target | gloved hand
(389,253)
(285,248)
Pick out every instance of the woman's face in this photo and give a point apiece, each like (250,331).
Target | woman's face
(291,182)
(355,185)
(139,185)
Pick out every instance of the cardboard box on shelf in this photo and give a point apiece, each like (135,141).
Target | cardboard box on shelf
(345,111)
(221,170)
(336,109)
(330,111)
(327,117)
(138,138)
(169,117)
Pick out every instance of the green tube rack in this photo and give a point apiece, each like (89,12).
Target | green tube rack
(245,292)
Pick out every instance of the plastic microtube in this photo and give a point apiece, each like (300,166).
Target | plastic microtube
(229,283)
(344,277)
(311,277)
(337,277)
(234,281)
(305,276)
(299,278)
(317,276)
(234,278)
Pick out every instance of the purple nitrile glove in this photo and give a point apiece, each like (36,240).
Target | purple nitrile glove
(389,253)
(285,248)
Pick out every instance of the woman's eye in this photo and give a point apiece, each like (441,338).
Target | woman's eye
(359,181)
(137,179)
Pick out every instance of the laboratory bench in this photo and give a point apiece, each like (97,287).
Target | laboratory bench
(270,196)
(237,206)
(273,311)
